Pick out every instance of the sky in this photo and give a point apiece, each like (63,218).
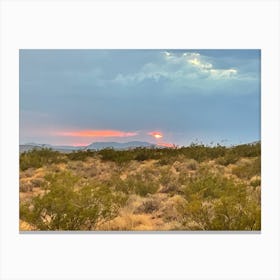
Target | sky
(166,97)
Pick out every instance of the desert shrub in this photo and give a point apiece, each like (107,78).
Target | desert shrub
(248,169)
(255,182)
(25,186)
(141,184)
(201,152)
(90,172)
(124,186)
(192,164)
(198,152)
(186,166)
(144,188)
(166,160)
(54,168)
(222,214)
(217,203)
(76,166)
(37,182)
(247,150)
(229,158)
(124,156)
(119,157)
(64,208)
(163,161)
(170,188)
(37,158)
(138,185)
(27,173)
(209,186)
(169,182)
(231,214)
(83,169)
(81,155)
(169,209)
(142,155)
(233,154)
(148,206)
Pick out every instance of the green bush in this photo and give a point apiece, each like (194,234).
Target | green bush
(248,169)
(145,188)
(68,206)
(80,155)
(255,182)
(210,186)
(217,203)
(142,155)
(137,184)
(233,214)
(119,157)
(247,150)
(229,158)
(169,182)
(200,152)
(233,154)
(37,158)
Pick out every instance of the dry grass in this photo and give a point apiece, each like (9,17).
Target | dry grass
(157,210)
(24,226)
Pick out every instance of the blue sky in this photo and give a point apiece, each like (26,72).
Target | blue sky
(76,97)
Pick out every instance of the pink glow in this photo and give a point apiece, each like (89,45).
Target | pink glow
(98,133)
(168,145)
(156,134)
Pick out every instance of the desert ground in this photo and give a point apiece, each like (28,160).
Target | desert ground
(190,188)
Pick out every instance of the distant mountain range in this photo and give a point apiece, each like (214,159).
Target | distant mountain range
(92,146)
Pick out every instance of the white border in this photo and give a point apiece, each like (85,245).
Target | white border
(139,24)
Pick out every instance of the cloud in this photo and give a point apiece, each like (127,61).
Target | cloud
(167,53)
(208,68)
(180,68)
(97,133)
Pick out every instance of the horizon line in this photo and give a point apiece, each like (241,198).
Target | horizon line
(211,143)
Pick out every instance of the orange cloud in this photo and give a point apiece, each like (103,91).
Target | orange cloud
(156,134)
(168,145)
(98,133)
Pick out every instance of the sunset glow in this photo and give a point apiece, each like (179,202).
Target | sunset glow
(156,134)
(80,144)
(98,133)
(168,145)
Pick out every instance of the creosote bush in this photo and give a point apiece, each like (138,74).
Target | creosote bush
(136,184)
(214,202)
(63,207)
(248,169)
(38,157)
(255,183)
(148,206)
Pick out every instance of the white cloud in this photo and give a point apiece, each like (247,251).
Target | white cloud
(167,53)
(208,68)
(178,68)
(223,74)
(196,62)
